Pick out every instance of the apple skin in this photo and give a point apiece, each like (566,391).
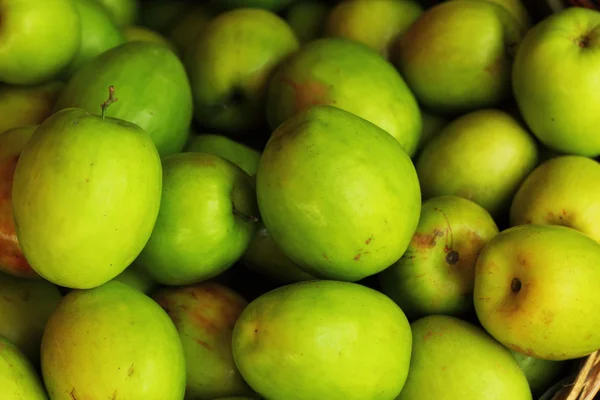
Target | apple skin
(348,75)
(230,64)
(561,191)
(135,277)
(338,194)
(39,38)
(204,224)
(27,105)
(556,67)
(436,273)
(135,33)
(540,374)
(307,19)
(18,376)
(185,32)
(376,23)
(271,5)
(241,155)
(536,291)
(455,360)
(482,156)
(353,344)
(518,10)
(432,125)
(122,12)
(454,57)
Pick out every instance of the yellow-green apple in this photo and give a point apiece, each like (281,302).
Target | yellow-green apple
(185,32)
(555,81)
(27,105)
(353,344)
(136,33)
(482,156)
(122,12)
(536,291)
(272,5)
(457,56)
(376,23)
(540,374)
(204,315)
(241,155)
(38,39)
(18,376)
(351,76)
(561,191)
(455,360)
(206,220)
(339,195)
(436,273)
(307,19)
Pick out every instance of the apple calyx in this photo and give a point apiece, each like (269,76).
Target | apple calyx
(111,99)
(515,285)
(452,257)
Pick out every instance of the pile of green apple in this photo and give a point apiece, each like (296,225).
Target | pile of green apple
(297,199)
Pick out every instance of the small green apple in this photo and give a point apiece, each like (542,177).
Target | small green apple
(457,56)
(272,5)
(339,195)
(185,32)
(241,155)
(541,374)
(27,105)
(555,69)
(38,38)
(307,19)
(18,376)
(561,191)
(482,156)
(230,64)
(122,12)
(206,220)
(353,344)
(436,273)
(135,33)
(376,23)
(349,75)
(455,360)
(536,291)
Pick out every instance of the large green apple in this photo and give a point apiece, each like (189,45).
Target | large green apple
(152,87)
(457,56)
(348,75)
(112,342)
(122,12)
(307,19)
(204,315)
(323,340)
(86,194)
(536,291)
(98,34)
(541,374)
(25,306)
(376,23)
(38,38)
(230,64)
(454,360)
(562,191)
(436,273)
(272,5)
(12,259)
(27,105)
(241,155)
(482,156)
(18,377)
(206,220)
(339,195)
(555,81)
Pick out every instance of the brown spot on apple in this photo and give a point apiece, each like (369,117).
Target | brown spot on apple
(424,241)
(307,94)
(357,257)
(518,349)
(496,67)
(203,344)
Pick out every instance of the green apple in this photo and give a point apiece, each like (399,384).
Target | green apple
(455,360)
(98,34)
(376,23)
(432,125)
(112,342)
(27,105)
(86,194)
(185,32)
(238,153)
(206,220)
(482,156)
(135,33)
(561,191)
(272,5)
(38,39)
(518,10)
(25,306)
(204,315)
(339,195)
(152,87)
(348,75)
(536,291)
(457,56)
(18,377)
(122,12)
(265,257)
(556,67)
(230,64)
(137,278)
(162,15)
(307,19)
(353,344)
(12,259)
(541,374)
(436,273)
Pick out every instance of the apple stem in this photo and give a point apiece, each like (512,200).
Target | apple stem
(247,218)
(111,99)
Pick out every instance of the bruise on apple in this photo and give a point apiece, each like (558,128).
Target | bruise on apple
(310,93)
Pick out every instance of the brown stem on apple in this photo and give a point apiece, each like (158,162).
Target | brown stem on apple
(515,285)
(452,257)
(247,218)
(448,248)
(111,99)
